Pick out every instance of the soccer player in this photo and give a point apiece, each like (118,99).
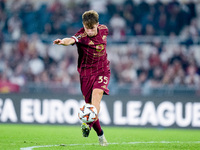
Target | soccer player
(93,65)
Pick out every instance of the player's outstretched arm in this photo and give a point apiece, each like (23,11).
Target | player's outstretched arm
(65,41)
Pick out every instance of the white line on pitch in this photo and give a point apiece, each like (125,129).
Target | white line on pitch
(124,143)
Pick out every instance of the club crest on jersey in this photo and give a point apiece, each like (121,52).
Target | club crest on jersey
(99,47)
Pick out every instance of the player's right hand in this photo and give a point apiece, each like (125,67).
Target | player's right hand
(58,41)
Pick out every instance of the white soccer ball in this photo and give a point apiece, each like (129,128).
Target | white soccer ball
(87,113)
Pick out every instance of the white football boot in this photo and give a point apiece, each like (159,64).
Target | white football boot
(102,140)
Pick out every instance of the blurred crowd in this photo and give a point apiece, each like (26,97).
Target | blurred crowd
(126,18)
(26,58)
(155,65)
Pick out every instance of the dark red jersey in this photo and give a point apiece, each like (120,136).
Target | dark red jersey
(92,51)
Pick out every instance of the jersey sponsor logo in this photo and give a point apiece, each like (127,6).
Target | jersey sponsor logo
(98,54)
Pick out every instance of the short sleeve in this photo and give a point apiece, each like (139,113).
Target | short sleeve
(78,35)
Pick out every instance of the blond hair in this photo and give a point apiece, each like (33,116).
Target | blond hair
(90,18)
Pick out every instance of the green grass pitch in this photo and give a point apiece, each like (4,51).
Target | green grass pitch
(52,137)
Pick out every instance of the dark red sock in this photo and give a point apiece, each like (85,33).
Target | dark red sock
(91,124)
(97,128)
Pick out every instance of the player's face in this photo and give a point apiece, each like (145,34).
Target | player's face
(91,31)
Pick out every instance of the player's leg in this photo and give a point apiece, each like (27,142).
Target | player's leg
(86,88)
(99,131)
(97,95)
(94,96)
(100,87)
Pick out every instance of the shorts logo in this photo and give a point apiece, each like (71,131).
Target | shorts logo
(103,86)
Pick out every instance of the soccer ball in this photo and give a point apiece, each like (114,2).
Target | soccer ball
(87,113)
